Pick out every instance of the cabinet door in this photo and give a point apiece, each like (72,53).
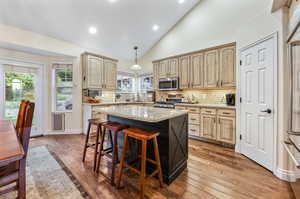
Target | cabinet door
(155,75)
(227,67)
(173,68)
(211,69)
(197,70)
(184,72)
(110,74)
(208,127)
(226,130)
(94,72)
(163,69)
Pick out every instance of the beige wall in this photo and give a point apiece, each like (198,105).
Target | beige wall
(214,22)
(18,37)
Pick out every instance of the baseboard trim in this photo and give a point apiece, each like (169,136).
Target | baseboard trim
(287,175)
(66,131)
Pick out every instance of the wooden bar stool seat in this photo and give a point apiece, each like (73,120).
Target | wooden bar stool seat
(111,154)
(94,144)
(144,136)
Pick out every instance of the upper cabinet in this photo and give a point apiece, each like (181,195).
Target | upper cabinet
(205,69)
(184,72)
(166,68)
(227,67)
(211,69)
(197,70)
(98,72)
(173,68)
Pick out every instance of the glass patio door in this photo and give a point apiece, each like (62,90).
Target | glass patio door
(20,83)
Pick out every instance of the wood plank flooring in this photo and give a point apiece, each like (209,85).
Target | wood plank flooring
(213,172)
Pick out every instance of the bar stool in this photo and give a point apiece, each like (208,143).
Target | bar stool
(143,136)
(95,144)
(116,128)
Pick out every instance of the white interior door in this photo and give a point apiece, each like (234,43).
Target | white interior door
(257,105)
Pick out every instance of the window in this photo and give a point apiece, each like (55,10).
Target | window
(125,84)
(146,83)
(63,89)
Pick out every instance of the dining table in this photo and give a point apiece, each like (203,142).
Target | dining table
(11,149)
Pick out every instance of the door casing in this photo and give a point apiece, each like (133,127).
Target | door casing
(273,36)
(39,81)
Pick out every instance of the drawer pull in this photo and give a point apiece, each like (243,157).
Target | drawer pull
(208,111)
(193,119)
(225,113)
(193,130)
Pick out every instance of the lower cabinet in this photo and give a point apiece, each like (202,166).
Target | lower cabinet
(226,130)
(209,127)
(211,123)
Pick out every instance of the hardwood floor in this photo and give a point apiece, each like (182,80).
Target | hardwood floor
(213,172)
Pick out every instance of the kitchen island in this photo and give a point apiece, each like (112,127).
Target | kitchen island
(172,141)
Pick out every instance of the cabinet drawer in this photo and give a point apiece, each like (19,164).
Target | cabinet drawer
(194,118)
(193,109)
(226,112)
(180,108)
(96,115)
(208,111)
(194,130)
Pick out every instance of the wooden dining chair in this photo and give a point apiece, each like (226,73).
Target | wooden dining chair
(21,118)
(16,172)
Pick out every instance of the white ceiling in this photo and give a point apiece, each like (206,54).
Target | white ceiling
(121,24)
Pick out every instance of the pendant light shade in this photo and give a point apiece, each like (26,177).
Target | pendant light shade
(136,66)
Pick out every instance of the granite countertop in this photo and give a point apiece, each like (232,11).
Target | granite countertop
(141,113)
(207,105)
(115,103)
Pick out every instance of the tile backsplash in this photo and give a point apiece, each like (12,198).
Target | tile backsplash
(199,96)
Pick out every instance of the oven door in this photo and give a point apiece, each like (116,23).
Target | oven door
(168,84)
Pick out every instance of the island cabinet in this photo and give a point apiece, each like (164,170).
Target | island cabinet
(206,69)
(172,139)
(211,124)
(98,72)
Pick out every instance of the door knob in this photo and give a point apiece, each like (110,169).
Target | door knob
(269,111)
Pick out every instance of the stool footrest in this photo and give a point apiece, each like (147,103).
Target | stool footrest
(132,168)
(149,160)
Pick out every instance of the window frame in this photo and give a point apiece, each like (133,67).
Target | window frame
(54,89)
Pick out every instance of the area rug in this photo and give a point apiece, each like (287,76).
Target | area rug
(49,178)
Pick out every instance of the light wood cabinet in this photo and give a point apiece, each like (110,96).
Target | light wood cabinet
(194,130)
(98,72)
(163,69)
(110,74)
(173,68)
(92,72)
(211,69)
(166,69)
(197,71)
(184,72)
(205,69)
(209,127)
(227,67)
(156,75)
(226,129)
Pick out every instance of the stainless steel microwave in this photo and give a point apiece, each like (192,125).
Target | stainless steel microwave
(168,84)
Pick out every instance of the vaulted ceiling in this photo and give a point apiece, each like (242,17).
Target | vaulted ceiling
(120,24)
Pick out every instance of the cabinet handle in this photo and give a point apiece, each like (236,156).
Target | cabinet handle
(221,83)
(225,113)
(193,119)
(193,130)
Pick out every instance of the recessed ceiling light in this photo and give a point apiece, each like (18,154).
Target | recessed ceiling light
(155,27)
(93,30)
(112,1)
(181,1)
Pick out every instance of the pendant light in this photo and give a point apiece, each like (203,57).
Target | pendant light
(136,66)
